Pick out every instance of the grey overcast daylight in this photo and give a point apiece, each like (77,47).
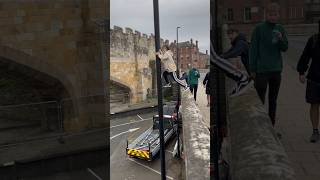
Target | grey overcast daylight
(193,16)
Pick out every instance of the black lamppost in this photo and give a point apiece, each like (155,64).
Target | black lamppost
(179,98)
(159,88)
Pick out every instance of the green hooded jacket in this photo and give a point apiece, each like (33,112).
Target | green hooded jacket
(193,76)
(264,54)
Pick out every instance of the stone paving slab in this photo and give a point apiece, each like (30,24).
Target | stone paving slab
(294,123)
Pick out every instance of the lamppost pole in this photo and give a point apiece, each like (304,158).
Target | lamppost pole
(159,88)
(179,98)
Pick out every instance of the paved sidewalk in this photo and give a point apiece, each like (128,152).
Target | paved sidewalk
(202,100)
(294,123)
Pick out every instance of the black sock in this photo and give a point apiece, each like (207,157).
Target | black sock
(315,130)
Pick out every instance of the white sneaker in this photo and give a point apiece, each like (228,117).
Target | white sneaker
(240,87)
(167,85)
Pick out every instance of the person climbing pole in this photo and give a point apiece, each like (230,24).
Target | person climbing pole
(170,68)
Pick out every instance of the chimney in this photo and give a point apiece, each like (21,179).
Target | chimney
(197,43)
(191,41)
(206,52)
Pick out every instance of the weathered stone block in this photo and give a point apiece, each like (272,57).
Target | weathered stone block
(21,13)
(76,23)
(6,21)
(56,25)
(25,36)
(18,20)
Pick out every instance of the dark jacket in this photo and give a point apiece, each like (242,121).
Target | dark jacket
(240,47)
(311,51)
(184,77)
(206,80)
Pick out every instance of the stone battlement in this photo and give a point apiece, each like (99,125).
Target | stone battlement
(128,43)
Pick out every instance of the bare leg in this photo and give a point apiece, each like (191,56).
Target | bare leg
(314,115)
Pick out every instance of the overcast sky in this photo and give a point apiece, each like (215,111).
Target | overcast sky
(191,15)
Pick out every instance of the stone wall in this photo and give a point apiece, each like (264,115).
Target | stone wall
(256,152)
(61,39)
(196,139)
(131,54)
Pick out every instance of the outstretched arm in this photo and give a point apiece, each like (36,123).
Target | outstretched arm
(304,60)
(283,43)
(236,50)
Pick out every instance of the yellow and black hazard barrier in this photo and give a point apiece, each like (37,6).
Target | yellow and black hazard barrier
(138,153)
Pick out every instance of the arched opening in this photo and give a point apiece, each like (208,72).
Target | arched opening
(29,102)
(120,94)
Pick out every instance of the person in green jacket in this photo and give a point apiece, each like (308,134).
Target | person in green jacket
(268,41)
(193,77)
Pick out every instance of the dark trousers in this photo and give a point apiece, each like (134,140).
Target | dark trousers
(273,80)
(194,89)
(174,76)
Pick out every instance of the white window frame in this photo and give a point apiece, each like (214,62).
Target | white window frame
(244,14)
(228,14)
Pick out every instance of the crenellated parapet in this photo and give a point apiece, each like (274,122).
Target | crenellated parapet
(129,43)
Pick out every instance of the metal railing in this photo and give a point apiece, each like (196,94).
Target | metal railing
(22,121)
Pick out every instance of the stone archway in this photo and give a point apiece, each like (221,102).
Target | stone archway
(41,80)
(39,65)
(120,92)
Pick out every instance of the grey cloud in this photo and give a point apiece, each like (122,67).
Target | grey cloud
(192,15)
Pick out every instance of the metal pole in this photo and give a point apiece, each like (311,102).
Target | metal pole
(214,88)
(159,88)
(179,98)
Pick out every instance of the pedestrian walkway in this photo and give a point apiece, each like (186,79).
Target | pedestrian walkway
(202,100)
(294,123)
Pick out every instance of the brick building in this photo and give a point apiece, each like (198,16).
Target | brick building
(244,14)
(189,54)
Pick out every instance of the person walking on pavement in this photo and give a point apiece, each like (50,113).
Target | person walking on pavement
(240,47)
(206,83)
(269,39)
(311,51)
(193,77)
(170,67)
(184,76)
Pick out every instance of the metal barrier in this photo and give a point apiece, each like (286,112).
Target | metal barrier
(20,122)
(38,113)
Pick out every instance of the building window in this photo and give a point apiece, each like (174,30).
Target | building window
(302,12)
(230,14)
(247,14)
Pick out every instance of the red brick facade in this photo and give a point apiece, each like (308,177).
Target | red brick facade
(189,54)
(245,14)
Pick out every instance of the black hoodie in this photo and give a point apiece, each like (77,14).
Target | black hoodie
(311,51)
(240,47)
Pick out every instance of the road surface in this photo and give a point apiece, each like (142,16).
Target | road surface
(124,168)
